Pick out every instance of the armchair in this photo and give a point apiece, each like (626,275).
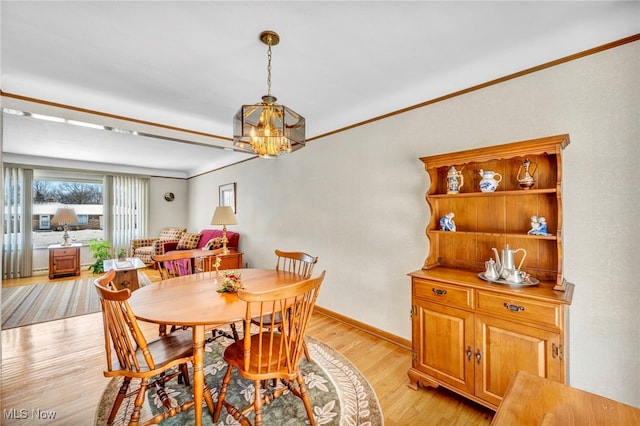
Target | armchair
(144,248)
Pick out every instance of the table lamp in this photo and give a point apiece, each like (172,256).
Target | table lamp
(224,216)
(64,216)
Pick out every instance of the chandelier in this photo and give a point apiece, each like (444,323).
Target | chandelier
(268,129)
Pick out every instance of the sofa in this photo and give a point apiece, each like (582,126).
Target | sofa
(144,248)
(207,239)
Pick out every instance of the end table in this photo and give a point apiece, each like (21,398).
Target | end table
(126,272)
(64,260)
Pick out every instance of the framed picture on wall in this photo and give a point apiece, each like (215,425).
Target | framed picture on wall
(228,195)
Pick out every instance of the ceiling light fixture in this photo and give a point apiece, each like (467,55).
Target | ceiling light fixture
(268,129)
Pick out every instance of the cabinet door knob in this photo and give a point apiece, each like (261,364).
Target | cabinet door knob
(469,353)
(478,356)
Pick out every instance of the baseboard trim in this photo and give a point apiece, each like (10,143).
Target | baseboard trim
(381,334)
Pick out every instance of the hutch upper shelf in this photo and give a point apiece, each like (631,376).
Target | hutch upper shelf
(496,219)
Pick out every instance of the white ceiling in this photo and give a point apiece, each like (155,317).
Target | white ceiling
(190,65)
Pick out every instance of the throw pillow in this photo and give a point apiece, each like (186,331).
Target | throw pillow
(188,241)
(168,234)
(213,244)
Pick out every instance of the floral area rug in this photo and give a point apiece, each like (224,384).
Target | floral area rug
(340,394)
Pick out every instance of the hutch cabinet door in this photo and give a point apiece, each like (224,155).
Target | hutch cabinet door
(444,344)
(504,347)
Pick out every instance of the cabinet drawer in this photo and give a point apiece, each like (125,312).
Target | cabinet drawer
(439,292)
(515,308)
(64,252)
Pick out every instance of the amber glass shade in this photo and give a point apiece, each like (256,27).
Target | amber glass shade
(268,129)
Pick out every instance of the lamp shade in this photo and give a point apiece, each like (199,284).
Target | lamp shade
(65,215)
(224,216)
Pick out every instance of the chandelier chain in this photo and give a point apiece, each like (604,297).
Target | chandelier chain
(269,70)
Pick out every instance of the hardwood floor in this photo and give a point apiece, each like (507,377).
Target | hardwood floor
(56,367)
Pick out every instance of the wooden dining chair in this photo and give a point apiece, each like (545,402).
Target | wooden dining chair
(130,355)
(174,263)
(183,262)
(299,263)
(295,261)
(274,352)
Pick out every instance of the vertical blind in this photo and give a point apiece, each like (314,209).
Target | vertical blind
(17,253)
(127,198)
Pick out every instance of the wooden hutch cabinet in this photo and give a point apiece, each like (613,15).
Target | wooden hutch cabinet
(470,335)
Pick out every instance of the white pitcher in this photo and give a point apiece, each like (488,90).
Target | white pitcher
(489,181)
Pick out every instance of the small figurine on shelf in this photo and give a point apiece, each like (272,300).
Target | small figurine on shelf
(447,223)
(538,226)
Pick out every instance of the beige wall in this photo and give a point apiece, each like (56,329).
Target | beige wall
(163,213)
(356,200)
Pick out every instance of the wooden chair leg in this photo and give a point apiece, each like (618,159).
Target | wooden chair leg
(235,332)
(162,393)
(208,399)
(306,351)
(257,403)
(223,394)
(135,416)
(304,394)
(184,375)
(119,398)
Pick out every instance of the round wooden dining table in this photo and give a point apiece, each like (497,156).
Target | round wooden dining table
(193,301)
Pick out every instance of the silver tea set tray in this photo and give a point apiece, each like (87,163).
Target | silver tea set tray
(527,282)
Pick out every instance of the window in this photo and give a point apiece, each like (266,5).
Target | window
(44,222)
(80,191)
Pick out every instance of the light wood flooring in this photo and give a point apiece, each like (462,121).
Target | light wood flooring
(56,367)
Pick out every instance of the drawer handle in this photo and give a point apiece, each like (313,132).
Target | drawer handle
(439,292)
(513,308)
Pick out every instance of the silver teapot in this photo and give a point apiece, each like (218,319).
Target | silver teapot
(505,265)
